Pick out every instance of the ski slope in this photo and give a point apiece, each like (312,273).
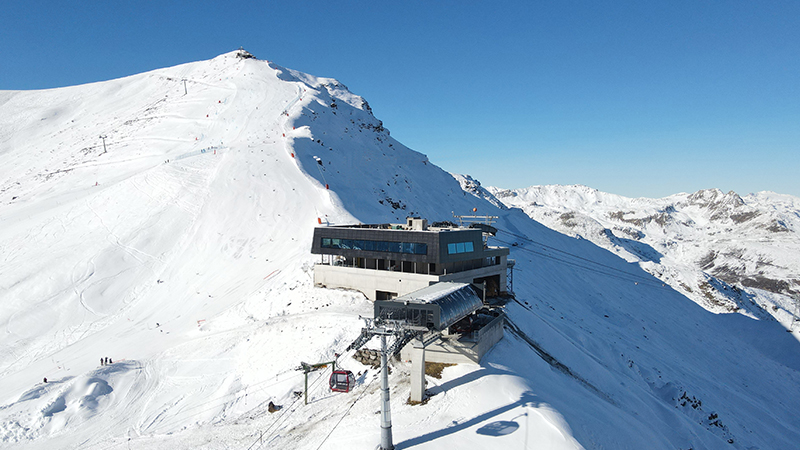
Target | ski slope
(182,252)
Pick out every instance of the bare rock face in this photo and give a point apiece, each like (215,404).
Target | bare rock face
(473,186)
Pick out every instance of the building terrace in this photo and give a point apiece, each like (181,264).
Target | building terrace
(385,261)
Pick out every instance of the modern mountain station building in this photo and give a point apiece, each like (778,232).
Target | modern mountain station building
(428,279)
(386,261)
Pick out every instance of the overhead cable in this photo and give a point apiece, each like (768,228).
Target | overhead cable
(619,273)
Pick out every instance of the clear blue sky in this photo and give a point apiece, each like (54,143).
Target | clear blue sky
(638,98)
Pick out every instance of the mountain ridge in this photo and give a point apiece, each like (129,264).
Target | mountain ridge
(749,242)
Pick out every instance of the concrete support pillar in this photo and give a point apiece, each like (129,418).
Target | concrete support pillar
(386,412)
(503,274)
(418,371)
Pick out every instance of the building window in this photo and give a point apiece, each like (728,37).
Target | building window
(460,247)
(411,248)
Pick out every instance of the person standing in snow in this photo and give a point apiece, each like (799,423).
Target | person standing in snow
(102,361)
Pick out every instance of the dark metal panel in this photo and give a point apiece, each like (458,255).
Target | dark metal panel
(417,314)
(456,236)
(423,237)
(436,242)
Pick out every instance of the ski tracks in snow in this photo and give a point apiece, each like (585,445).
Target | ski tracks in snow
(134,252)
(79,276)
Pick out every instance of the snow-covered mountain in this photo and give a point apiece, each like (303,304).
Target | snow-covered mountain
(722,250)
(178,245)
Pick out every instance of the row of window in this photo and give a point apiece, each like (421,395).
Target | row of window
(460,247)
(412,248)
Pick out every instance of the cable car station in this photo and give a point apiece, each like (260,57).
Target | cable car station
(385,261)
(458,328)
(429,286)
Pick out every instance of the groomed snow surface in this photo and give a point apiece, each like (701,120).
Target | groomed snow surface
(181,252)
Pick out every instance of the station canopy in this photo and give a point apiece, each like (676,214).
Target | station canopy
(435,307)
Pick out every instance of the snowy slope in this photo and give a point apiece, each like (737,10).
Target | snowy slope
(182,252)
(722,250)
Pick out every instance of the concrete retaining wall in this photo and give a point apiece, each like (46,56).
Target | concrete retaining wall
(370,280)
(453,351)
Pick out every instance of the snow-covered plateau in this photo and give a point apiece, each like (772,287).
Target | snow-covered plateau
(164,221)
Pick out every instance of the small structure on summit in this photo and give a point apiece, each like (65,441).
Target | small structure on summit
(385,261)
(244,54)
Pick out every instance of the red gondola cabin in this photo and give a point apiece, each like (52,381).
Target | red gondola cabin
(342,381)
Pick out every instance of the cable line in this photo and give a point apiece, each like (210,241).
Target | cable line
(573,255)
(636,278)
(347,412)
(291,409)
(282,419)
(182,416)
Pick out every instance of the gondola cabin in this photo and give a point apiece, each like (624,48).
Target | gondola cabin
(342,381)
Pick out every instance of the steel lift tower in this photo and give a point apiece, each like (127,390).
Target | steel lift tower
(403,333)
(421,316)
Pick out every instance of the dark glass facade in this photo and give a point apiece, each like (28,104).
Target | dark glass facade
(411,248)
(460,247)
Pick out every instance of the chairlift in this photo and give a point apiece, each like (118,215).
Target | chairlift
(342,381)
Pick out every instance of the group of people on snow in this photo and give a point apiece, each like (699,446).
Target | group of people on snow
(104,361)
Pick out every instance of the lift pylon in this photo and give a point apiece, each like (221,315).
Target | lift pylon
(308,368)
(403,334)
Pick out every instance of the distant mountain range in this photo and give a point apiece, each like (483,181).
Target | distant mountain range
(720,249)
